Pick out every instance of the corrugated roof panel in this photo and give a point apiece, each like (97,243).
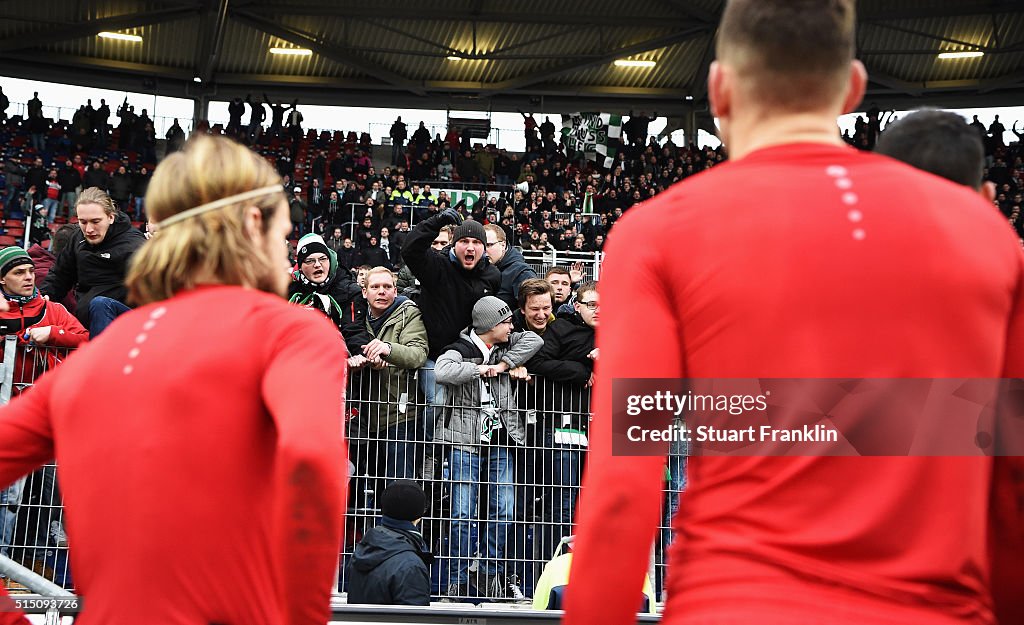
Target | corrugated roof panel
(171,44)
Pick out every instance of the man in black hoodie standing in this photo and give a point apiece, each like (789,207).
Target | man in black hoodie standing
(391,564)
(566,366)
(95,262)
(451,283)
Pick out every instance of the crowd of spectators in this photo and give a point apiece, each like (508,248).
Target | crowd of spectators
(416,279)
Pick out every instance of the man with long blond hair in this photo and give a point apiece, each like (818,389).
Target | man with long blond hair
(229,486)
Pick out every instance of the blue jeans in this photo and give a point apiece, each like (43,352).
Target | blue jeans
(139,202)
(51,209)
(10,501)
(433,394)
(102,312)
(465,487)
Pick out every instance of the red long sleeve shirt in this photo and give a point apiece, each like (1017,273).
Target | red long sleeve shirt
(802,260)
(201,459)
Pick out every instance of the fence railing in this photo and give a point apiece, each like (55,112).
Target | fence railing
(498,504)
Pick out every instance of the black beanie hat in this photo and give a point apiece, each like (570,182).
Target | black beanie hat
(403,500)
(469,229)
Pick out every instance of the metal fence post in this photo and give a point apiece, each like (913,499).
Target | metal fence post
(7,368)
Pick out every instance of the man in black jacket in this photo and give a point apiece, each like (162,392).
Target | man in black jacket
(391,564)
(510,263)
(566,365)
(96,262)
(321,283)
(451,282)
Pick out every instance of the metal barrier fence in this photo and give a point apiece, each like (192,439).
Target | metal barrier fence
(498,504)
(588,263)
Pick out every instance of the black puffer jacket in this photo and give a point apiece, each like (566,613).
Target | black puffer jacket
(391,566)
(565,368)
(448,291)
(94,270)
(513,270)
(349,315)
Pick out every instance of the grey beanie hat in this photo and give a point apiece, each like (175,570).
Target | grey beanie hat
(488,312)
(471,229)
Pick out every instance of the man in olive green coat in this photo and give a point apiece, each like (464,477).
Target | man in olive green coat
(387,395)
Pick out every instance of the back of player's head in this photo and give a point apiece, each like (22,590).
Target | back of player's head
(794,54)
(939,142)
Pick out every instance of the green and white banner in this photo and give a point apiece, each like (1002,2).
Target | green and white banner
(596,135)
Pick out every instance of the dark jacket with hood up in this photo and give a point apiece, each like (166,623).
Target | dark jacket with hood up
(391,566)
(94,270)
(513,270)
(338,297)
(448,291)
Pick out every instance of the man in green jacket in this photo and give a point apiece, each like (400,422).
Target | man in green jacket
(387,406)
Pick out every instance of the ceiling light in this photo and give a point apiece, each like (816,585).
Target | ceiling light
(631,63)
(689,97)
(292,51)
(452,57)
(120,36)
(968,54)
(197,79)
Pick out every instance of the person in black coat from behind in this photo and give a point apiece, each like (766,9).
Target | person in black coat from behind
(391,564)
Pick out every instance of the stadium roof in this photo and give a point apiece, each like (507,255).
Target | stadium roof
(484,54)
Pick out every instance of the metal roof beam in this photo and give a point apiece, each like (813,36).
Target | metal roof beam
(215,19)
(644,46)
(424,13)
(959,9)
(687,8)
(52,34)
(896,84)
(328,51)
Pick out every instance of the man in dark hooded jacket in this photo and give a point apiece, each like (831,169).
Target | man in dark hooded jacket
(320,283)
(510,263)
(566,366)
(391,564)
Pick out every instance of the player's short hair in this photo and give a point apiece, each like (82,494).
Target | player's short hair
(794,54)
(938,142)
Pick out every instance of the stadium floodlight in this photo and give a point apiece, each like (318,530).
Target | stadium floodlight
(453,57)
(292,51)
(119,36)
(966,54)
(632,63)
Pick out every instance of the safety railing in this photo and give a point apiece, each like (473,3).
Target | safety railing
(587,263)
(498,504)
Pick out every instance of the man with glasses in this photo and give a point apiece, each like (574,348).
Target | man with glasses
(481,424)
(510,263)
(321,284)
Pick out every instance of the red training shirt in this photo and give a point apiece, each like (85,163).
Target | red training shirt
(802,260)
(200,455)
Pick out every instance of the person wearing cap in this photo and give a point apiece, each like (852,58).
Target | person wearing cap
(297,212)
(481,424)
(451,281)
(320,283)
(230,483)
(36,322)
(391,564)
